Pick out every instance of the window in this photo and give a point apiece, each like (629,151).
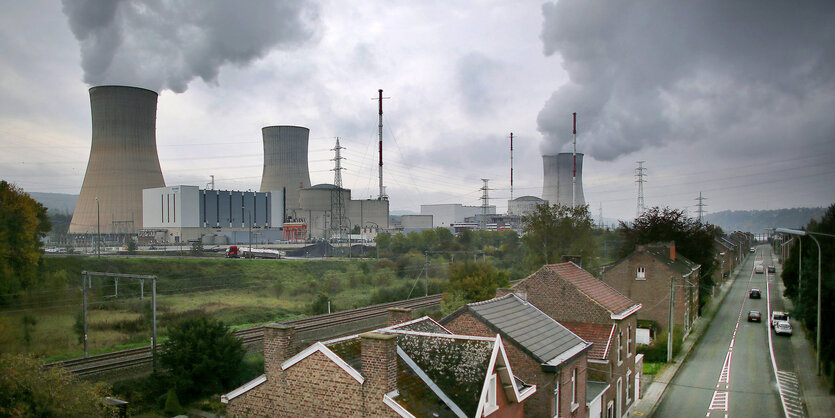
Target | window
(629,386)
(574,388)
(556,410)
(620,348)
(491,396)
(629,341)
(641,274)
(610,410)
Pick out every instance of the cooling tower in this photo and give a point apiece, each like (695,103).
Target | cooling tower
(556,185)
(285,161)
(123,161)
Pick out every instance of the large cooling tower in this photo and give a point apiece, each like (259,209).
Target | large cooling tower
(123,161)
(285,161)
(556,185)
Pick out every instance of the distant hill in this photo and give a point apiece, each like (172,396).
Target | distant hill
(56,202)
(755,221)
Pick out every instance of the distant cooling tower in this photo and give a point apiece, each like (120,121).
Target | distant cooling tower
(556,185)
(123,161)
(285,161)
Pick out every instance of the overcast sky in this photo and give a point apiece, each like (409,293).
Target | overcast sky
(735,100)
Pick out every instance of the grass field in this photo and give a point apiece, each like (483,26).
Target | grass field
(239,292)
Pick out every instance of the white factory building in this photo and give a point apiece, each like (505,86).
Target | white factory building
(524,205)
(445,215)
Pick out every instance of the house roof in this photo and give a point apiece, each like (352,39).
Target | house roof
(596,290)
(438,372)
(595,389)
(545,339)
(681,265)
(598,334)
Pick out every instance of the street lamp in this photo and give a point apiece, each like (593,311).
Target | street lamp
(802,233)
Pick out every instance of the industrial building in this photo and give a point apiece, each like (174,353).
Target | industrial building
(123,161)
(187,213)
(524,205)
(319,209)
(445,215)
(559,185)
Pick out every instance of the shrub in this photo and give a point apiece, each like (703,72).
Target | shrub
(172,403)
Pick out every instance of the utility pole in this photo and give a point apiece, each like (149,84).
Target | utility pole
(701,206)
(670,330)
(84,305)
(511,166)
(382,195)
(640,174)
(98,229)
(426,272)
(484,205)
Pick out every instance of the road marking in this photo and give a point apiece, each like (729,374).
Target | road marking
(787,384)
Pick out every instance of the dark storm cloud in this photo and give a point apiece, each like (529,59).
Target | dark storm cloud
(648,73)
(164,44)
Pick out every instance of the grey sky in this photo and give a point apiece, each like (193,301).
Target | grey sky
(731,99)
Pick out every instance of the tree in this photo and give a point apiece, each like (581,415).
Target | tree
(552,232)
(202,357)
(471,282)
(28,389)
(693,239)
(23,222)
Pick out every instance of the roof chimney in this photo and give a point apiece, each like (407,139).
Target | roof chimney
(673,251)
(379,368)
(278,347)
(398,315)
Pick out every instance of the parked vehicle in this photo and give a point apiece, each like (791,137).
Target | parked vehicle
(754,316)
(779,316)
(234,251)
(759,269)
(772,269)
(754,293)
(752,249)
(783,327)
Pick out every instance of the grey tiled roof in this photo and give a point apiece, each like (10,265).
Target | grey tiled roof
(680,265)
(594,389)
(543,337)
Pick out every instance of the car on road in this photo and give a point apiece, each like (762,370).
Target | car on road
(754,293)
(772,269)
(759,269)
(755,316)
(752,250)
(783,327)
(778,316)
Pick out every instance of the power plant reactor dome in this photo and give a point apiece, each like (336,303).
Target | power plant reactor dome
(285,161)
(557,181)
(123,161)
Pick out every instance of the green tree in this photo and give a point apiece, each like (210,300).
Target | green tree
(472,282)
(131,246)
(553,232)
(693,239)
(23,223)
(320,304)
(28,389)
(202,357)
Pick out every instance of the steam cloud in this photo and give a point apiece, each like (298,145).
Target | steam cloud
(164,44)
(648,73)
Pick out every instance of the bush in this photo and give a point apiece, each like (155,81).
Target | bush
(657,351)
(172,403)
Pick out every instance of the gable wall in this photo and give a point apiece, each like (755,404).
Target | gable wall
(561,300)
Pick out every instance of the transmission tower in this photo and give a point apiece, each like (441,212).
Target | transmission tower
(701,206)
(485,201)
(338,224)
(600,223)
(640,176)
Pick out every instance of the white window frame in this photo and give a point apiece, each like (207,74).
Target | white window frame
(641,273)
(629,341)
(492,404)
(574,403)
(628,385)
(610,409)
(620,347)
(557,398)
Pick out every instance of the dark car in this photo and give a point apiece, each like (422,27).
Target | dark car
(754,294)
(755,316)
(771,269)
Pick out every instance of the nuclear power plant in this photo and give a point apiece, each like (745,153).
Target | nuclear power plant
(285,161)
(123,161)
(558,186)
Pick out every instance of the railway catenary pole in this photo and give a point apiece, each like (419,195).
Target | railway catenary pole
(574,163)
(84,307)
(154,309)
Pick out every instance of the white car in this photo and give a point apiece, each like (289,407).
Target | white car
(778,316)
(783,327)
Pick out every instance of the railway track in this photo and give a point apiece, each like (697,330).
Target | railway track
(141,356)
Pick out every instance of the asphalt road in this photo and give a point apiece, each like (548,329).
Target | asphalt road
(729,372)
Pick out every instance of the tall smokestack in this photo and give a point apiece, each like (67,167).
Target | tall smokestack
(559,172)
(285,161)
(123,161)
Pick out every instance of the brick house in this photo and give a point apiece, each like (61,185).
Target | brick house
(415,369)
(646,275)
(724,254)
(542,352)
(599,314)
